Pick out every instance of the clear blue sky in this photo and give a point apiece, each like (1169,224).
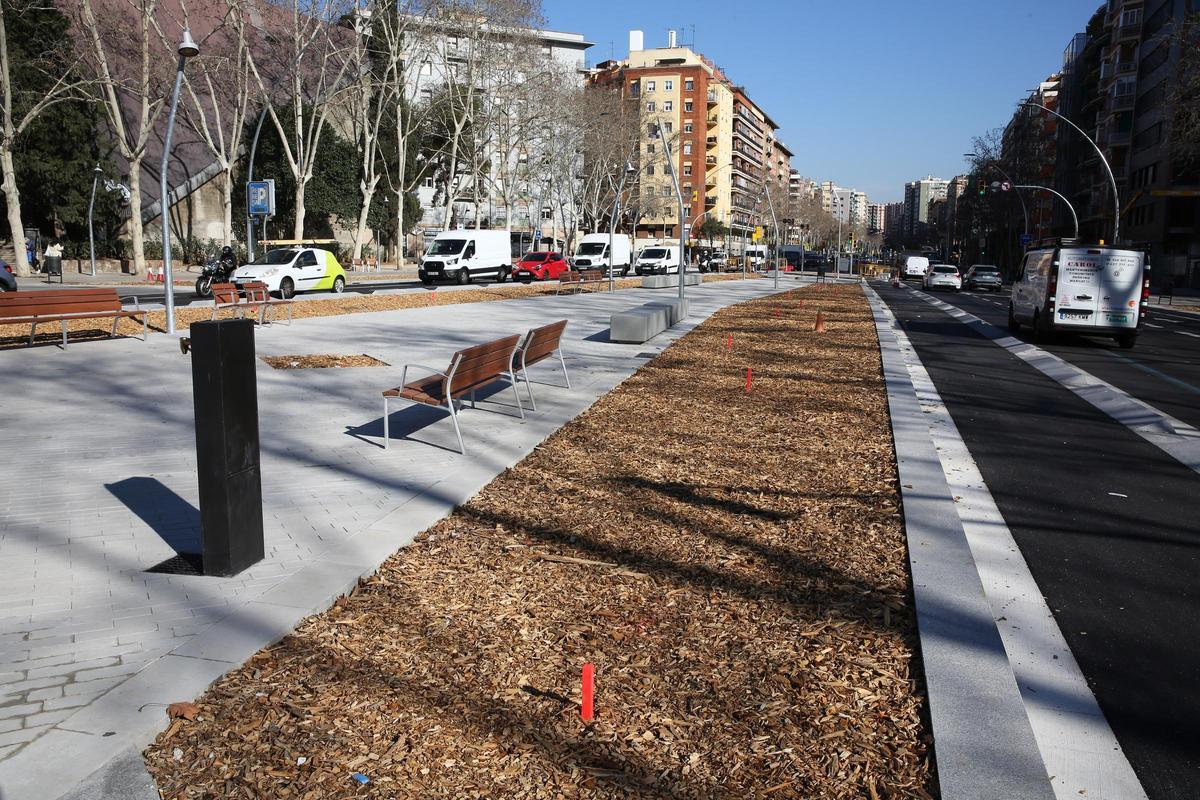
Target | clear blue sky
(868,93)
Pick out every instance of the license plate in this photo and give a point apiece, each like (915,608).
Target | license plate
(1117,317)
(1074,314)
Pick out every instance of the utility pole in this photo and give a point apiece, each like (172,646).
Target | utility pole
(662,137)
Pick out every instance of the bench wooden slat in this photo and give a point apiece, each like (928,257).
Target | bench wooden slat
(37,307)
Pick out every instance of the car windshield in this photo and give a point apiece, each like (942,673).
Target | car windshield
(274,257)
(591,249)
(655,252)
(447,247)
(986,270)
(534,257)
(946,270)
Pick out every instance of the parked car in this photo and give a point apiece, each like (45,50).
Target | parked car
(983,277)
(914,267)
(540,266)
(1093,290)
(8,281)
(658,260)
(943,276)
(287,270)
(463,255)
(592,252)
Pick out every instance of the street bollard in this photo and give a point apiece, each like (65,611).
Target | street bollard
(225,393)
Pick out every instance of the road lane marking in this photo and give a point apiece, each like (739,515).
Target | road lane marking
(1152,325)
(1152,371)
(1174,437)
(1081,754)
(1185,333)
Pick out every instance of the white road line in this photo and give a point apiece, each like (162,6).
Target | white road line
(1080,751)
(1171,379)
(1185,333)
(1175,438)
(1152,325)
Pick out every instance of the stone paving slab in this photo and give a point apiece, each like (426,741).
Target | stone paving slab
(100,488)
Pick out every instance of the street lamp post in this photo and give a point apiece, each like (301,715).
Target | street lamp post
(612,222)
(96,173)
(1074,216)
(187,49)
(1111,178)
(1007,177)
(662,136)
(775,219)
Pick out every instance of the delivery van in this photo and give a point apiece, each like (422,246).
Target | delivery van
(1085,289)
(464,255)
(658,259)
(756,255)
(592,252)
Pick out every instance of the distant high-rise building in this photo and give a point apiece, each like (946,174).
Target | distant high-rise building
(917,196)
(893,220)
(875,218)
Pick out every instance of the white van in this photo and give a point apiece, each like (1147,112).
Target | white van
(592,252)
(1094,290)
(659,259)
(757,255)
(914,267)
(464,255)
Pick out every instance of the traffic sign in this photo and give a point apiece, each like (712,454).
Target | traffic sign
(537,236)
(1006,187)
(758,233)
(260,198)
(1026,239)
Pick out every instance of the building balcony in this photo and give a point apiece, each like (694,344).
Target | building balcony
(709,201)
(711,98)
(1129,32)
(713,120)
(1121,102)
(710,178)
(711,141)
(710,161)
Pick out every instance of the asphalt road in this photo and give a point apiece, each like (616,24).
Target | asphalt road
(1107,522)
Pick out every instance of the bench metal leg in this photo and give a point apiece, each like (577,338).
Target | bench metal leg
(472,398)
(113,332)
(145,327)
(64,329)
(529,388)
(454,418)
(385,423)
(516,393)
(561,361)
(32,328)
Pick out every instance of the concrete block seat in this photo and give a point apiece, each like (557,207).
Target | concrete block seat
(642,323)
(665,281)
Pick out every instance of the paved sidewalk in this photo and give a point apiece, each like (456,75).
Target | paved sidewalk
(100,481)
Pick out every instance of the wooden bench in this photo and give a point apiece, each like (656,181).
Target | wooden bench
(226,295)
(258,295)
(578,280)
(470,369)
(540,344)
(35,308)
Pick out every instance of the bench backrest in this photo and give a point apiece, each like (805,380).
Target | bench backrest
(542,342)
(570,276)
(225,293)
(591,274)
(482,363)
(256,292)
(67,301)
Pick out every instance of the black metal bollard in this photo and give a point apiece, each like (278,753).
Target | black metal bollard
(225,391)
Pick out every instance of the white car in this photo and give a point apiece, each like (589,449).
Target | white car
(943,276)
(287,270)
(915,267)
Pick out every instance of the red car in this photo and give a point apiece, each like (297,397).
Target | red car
(540,266)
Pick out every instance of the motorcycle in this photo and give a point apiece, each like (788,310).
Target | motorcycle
(219,270)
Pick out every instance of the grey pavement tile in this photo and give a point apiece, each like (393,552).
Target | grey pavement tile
(22,735)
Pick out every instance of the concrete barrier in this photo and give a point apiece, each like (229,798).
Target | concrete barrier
(664,281)
(643,323)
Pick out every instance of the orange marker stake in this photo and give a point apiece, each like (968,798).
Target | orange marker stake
(749,375)
(801,304)
(777,312)
(587,710)
(729,342)
(820,326)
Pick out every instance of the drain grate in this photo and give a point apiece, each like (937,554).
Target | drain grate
(646,355)
(182,564)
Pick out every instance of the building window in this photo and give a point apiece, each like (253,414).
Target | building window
(687,127)
(687,106)
(668,86)
(650,86)
(635,88)
(687,169)
(650,149)
(687,148)
(666,191)
(668,105)
(668,127)
(547,214)
(689,85)
(649,169)
(650,105)
(428,182)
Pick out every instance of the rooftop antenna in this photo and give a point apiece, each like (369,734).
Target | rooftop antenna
(693,44)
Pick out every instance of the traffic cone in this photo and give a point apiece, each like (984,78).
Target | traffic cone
(820,326)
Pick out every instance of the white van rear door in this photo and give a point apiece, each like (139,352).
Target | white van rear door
(1098,288)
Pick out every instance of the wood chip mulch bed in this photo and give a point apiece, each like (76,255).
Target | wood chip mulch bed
(350,303)
(323,361)
(732,562)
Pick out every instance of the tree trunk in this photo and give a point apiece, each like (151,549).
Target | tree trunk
(360,230)
(227,207)
(12,197)
(449,209)
(402,239)
(136,231)
(298,226)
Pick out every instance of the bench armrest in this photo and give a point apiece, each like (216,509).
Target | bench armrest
(404,372)
(137,306)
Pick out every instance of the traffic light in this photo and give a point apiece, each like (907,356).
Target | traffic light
(982,186)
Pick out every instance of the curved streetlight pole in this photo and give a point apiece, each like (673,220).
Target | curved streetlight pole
(1007,177)
(187,48)
(662,136)
(1111,178)
(96,173)
(612,223)
(1074,216)
(774,219)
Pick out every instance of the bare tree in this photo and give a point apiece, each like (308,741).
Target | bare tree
(20,106)
(133,87)
(218,109)
(1185,92)
(315,71)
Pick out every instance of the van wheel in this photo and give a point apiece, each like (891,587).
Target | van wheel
(339,285)
(1013,324)
(501,275)
(462,276)
(1126,341)
(287,288)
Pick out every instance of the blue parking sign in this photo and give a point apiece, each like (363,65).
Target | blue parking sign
(260,198)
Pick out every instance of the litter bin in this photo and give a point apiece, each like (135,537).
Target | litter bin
(53,266)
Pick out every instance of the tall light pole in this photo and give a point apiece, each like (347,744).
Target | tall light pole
(775,219)
(1111,178)
(96,173)
(612,222)
(1007,177)
(187,49)
(1074,216)
(662,137)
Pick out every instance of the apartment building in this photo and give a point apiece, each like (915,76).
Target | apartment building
(893,220)
(859,205)
(875,218)
(725,146)
(918,195)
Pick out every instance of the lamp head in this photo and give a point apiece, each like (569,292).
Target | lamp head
(96,171)
(630,169)
(187,46)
